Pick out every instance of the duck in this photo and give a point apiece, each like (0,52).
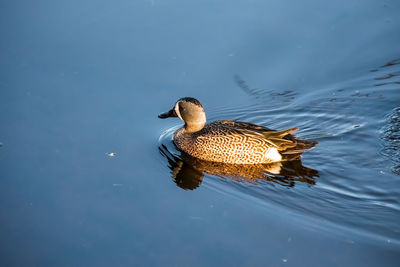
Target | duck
(231,141)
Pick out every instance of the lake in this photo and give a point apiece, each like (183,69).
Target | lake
(90,176)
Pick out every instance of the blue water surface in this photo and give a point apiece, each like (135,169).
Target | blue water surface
(83,182)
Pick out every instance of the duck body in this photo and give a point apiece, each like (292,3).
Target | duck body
(232,142)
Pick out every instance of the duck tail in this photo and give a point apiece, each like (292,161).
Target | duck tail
(300,147)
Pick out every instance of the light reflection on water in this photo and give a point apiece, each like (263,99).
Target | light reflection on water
(188,170)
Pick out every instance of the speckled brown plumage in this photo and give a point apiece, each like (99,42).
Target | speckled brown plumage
(231,141)
(240,143)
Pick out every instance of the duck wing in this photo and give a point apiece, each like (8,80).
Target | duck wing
(245,125)
(240,125)
(274,138)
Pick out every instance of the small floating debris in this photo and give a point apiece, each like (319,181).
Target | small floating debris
(111,154)
(284,260)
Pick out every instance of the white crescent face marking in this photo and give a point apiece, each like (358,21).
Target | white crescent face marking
(177,111)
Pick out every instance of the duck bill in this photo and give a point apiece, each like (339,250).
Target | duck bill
(168,114)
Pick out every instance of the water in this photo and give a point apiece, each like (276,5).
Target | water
(81,80)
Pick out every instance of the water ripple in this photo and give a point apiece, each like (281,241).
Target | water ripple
(391,139)
(345,181)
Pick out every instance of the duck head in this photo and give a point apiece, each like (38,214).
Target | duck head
(190,111)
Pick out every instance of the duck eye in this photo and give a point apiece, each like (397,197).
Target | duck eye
(181,109)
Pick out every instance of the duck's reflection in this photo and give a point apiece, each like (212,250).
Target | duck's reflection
(188,172)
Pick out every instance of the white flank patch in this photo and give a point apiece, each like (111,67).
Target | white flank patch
(273,155)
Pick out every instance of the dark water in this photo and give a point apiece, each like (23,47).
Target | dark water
(81,80)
